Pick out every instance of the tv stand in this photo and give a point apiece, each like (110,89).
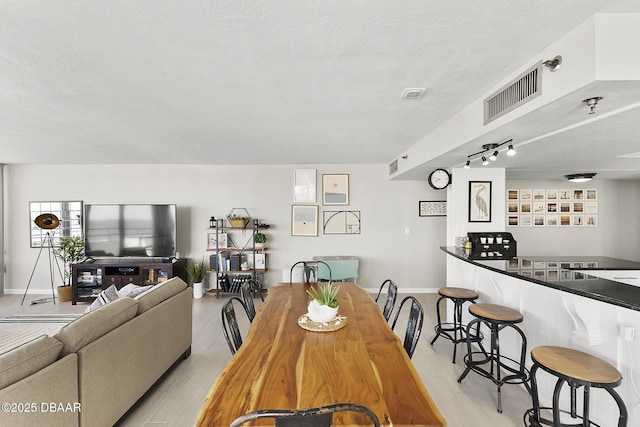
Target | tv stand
(90,277)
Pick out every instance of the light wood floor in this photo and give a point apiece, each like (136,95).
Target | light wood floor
(176,399)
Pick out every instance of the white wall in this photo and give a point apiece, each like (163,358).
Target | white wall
(413,261)
(615,236)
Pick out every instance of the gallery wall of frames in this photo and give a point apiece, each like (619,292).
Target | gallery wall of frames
(551,207)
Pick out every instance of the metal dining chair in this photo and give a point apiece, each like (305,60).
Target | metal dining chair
(309,271)
(392,293)
(230,326)
(247,297)
(256,288)
(414,324)
(312,417)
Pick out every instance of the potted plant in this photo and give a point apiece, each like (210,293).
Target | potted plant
(324,305)
(196,270)
(259,239)
(70,251)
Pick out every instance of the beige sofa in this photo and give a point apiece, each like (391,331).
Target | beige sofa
(98,366)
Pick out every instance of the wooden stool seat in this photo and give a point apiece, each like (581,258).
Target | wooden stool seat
(458,293)
(576,364)
(577,369)
(495,312)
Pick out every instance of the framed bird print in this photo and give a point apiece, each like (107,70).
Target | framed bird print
(479,201)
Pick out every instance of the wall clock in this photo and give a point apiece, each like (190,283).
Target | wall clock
(439,179)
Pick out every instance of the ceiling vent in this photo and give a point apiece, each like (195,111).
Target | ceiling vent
(393,167)
(413,92)
(521,90)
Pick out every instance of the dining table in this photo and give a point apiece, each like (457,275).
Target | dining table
(288,362)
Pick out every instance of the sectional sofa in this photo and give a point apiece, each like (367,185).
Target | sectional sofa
(97,367)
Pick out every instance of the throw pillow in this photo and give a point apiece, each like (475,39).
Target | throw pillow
(132,290)
(105,297)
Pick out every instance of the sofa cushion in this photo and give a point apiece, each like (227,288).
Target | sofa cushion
(159,293)
(105,297)
(93,325)
(27,359)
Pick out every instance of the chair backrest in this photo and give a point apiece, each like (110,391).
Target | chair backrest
(414,324)
(247,297)
(313,417)
(309,271)
(392,293)
(256,288)
(230,326)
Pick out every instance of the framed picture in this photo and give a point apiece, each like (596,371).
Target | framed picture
(341,222)
(592,194)
(512,195)
(512,220)
(479,201)
(432,208)
(304,185)
(304,220)
(335,189)
(526,194)
(222,240)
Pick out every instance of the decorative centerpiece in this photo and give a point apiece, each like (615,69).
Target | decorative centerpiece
(324,305)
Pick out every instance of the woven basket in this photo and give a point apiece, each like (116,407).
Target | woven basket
(238,223)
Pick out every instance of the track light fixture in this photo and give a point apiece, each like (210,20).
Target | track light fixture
(580,177)
(591,103)
(553,64)
(494,149)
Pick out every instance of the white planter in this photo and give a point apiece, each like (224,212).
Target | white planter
(198,290)
(499,240)
(321,313)
(483,240)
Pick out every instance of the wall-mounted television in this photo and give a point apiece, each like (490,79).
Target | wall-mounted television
(130,230)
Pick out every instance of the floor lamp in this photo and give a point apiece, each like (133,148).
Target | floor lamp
(49,222)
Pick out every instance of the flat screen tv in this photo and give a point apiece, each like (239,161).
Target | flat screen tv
(130,230)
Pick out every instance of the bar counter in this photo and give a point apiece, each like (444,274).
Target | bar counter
(587,283)
(567,302)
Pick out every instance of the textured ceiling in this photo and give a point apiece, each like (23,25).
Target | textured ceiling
(249,82)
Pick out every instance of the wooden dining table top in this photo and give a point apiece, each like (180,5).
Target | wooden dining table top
(283,366)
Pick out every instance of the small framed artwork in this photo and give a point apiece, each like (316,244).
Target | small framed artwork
(304,220)
(479,201)
(592,194)
(539,194)
(591,220)
(512,207)
(578,220)
(552,207)
(578,207)
(552,220)
(525,220)
(304,185)
(525,207)
(591,207)
(578,194)
(565,207)
(552,275)
(222,240)
(564,194)
(539,207)
(512,194)
(552,194)
(512,221)
(432,208)
(341,222)
(526,194)
(565,219)
(538,220)
(335,189)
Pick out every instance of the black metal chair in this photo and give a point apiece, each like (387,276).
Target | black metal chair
(313,417)
(256,288)
(230,326)
(247,297)
(392,293)
(309,271)
(414,324)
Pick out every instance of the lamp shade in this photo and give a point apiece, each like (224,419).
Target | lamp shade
(47,221)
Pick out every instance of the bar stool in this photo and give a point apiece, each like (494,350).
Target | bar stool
(455,331)
(496,318)
(577,369)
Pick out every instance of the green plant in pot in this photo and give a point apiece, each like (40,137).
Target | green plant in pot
(260,239)
(197,270)
(70,251)
(324,305)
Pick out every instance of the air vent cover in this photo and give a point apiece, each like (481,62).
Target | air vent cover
(521,90)
(393,167)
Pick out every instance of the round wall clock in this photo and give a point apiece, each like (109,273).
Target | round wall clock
(439,179)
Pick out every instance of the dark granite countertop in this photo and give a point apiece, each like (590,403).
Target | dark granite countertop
(559,273)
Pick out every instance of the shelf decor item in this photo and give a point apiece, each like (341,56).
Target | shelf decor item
(259,239)
(238,217)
